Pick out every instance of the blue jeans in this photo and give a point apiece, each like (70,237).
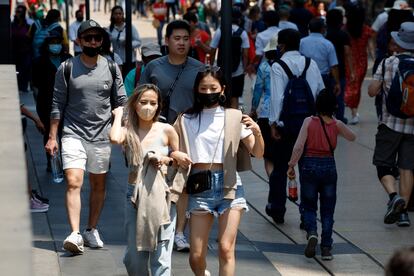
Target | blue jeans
(213,201)
(159,32)
(138,263)
(318,176)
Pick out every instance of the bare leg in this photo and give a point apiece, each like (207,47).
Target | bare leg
(268,167)
(406,184)
(96,198)
(200,226)
(228,225)
(388,182)
(181,208)
(354,111)
(74,180)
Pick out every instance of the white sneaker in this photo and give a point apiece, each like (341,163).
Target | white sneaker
(354,120)
(74,243)
(181,243)
(92,238)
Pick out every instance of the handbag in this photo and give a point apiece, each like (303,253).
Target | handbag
(201,181)
(156,23)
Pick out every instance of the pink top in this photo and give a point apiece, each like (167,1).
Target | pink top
(313,136)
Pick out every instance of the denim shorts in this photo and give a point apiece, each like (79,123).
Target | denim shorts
(212,201)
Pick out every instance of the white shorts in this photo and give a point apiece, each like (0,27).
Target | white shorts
(79,154)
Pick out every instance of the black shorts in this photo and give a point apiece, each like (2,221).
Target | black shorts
(391,146)
(268,141)
(237,86)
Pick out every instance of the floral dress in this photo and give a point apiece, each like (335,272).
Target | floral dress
(360,63)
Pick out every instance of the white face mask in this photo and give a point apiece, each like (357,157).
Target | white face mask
(147,112)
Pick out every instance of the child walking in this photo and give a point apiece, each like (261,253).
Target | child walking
(318,171)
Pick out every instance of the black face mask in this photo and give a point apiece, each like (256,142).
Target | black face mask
(91,51)
(208,100)
(79,19)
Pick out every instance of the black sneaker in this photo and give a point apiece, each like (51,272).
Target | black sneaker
(326,254)
(395,208)
(404,220)
(310,249)
(42,199)
(278,219)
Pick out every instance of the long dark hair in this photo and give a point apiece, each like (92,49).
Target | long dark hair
(111,27)
(216,73)
(355,14)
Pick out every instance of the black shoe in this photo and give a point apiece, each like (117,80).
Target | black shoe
(326,254)
(395,208)
(310,249)
(278,219)
(42,199)
(404,220)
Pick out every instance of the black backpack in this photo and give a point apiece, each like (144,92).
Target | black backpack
(298,102)
(236,51)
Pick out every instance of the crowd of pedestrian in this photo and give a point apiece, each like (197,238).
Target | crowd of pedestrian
(181,125)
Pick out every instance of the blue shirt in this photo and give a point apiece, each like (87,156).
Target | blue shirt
(261,92)
(321,50)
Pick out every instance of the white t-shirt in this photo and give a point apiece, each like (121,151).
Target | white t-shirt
(204,132)
(215,43)
(379,21)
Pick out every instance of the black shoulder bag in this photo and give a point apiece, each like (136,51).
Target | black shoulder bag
(201,181)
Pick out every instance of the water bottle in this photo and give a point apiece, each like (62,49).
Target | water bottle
(292,190)
(57,171)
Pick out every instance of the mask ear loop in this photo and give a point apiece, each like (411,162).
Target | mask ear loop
(222,99)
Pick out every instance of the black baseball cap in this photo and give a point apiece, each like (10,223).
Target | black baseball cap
(88,25)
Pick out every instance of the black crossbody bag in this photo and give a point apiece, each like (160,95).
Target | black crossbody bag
(201,181)
(165,107)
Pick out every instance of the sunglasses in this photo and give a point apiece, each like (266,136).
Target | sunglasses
(210,68)
(96,37)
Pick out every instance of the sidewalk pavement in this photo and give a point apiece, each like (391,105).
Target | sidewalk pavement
(362,243)
(362,246)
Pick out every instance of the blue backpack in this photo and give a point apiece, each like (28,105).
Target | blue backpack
(400,98)
(298,102)
(40,35)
